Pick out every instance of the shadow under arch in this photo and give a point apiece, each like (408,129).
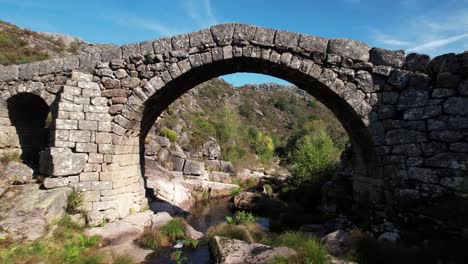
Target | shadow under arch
(28,114)
(364,160)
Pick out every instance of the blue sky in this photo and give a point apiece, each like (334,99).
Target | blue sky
(432,27)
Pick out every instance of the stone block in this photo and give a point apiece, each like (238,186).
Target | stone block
(162,45)
(456,106)
(313,43)
(101,185)
(201,38)
(264,36)
(88,125)
(105,148)
(61,162)
(50,183)
(180,42)
(193,167)
(131,49)
(88,85)
(91,196)
(416,62)
(130,82)
(100,206)
(243,32)
(86,147)
(66,124)
(355,50)
(79,136)
(95,158)
(8,73)
(394,58)
(222,34)
(91,92)
(103,138)
(286,39)
(177,163)
(89,176)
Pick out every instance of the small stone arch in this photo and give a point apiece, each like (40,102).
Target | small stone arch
(30,116)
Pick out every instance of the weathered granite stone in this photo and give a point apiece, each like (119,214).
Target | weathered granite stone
(313,43)
(355,50)
(223,34)
(232,251)
(286,39)
(456,106)
(416,62)
(387,57)
(193,167)
(18,172)
(211,149)
(61,162)
(28,210)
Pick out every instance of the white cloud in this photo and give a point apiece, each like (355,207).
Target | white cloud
(201,12)
(432,33)
(394,42)
(152,25)
(388,40)
(437,43)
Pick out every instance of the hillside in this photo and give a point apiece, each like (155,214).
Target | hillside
(253,124)
(19,45)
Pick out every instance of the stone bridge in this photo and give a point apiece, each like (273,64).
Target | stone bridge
(406,116)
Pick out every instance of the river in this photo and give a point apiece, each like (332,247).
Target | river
(203,215)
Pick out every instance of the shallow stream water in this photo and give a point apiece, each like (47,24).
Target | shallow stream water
(203,215)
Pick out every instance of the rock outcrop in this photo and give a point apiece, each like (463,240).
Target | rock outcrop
(182,191)
(27,211)
(233,251)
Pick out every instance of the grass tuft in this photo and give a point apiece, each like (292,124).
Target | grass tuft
(310,249)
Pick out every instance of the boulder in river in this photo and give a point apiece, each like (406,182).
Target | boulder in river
(337,242)
(233,251)
(258,202)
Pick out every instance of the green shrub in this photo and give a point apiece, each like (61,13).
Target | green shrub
(236,191)
(191,242)
(242,217)
(74,202)
(313,158)
(169,133)
(174,229)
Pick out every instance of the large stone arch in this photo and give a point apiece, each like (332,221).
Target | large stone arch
(407,116)
(364,158)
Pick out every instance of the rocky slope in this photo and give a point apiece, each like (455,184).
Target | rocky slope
(21,45)
(199,117)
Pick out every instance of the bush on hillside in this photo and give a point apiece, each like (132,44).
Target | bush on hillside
(169,133)
(313,158)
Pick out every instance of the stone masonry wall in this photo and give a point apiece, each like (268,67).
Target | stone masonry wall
(406,116)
